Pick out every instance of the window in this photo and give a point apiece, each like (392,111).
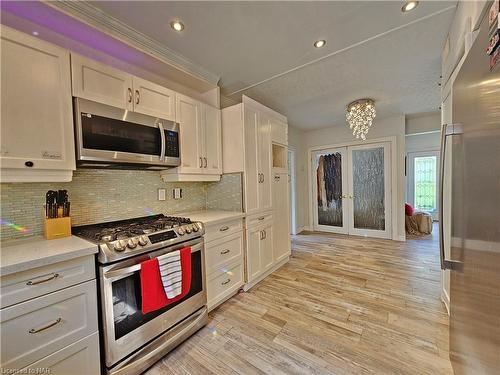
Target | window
(425,183)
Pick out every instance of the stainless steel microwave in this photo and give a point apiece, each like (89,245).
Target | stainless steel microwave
(110,137)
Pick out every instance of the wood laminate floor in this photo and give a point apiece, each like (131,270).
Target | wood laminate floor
(342,305)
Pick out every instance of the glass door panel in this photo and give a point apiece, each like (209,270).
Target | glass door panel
(329,176)
(369,182)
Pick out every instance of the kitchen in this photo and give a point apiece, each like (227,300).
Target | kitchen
(124,163)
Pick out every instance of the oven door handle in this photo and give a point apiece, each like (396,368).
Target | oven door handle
(128,270)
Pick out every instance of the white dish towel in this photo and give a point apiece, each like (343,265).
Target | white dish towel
(171,273)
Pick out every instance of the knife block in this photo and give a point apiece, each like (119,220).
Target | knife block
(56,228)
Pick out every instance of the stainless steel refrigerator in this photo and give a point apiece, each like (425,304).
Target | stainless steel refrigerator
(474,258)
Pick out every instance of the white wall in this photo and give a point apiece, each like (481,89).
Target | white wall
(393,126)
(428,122)
(423,142)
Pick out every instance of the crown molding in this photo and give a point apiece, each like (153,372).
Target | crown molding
(89,14)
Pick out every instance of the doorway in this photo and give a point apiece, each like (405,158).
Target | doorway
(423,181)
(352,190)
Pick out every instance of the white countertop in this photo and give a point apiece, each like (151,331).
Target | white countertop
(213,216)
(21,255)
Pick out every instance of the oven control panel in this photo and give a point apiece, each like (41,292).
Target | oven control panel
(160,237)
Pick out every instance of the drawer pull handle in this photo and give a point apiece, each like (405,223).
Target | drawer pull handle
(54,276)
(33,330)
(224,251)
(223,229)
(261,218)
(226,282)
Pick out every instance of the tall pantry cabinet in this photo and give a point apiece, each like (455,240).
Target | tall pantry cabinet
(247,131)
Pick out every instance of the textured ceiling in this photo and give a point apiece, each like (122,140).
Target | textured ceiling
(264,50)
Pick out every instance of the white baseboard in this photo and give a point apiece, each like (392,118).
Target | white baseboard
(446,300)
(301,229)
(251,284)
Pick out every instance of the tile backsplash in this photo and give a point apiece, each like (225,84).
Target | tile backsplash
(99,195)
(225,194)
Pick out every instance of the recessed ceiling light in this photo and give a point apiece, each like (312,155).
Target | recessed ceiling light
(177,25)
(319,43)
(35,33)
(409,5)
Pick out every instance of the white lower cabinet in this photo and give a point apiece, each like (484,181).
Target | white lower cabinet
(223,284)
(79,358)
(224,248)
(55,325)
(259,247)
(264,253)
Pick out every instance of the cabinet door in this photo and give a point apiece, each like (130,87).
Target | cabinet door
(154,100)
(252,174)
(279,131)
(213,140)
(79,358)
(266,248)
(264,158)
(101,83)
(281,231)
(254,239)
(188,114)
(36,116)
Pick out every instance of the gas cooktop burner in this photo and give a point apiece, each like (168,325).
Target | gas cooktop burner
(125,238)
(123,229)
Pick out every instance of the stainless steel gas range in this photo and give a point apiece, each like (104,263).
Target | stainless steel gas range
(133,341)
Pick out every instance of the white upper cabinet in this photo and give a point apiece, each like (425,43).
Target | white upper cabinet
(37,124)
(252,174)
(281,230)
(101,83)
(189,119)
(212,140)
(264,154)
(152,99)
(104,84)
(279,131)
(201,144)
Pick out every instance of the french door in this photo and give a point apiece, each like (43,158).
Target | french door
(423,181)
(352,190)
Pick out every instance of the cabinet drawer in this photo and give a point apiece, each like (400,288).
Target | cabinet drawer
(223,251)
(34,329)
(259,220)
(22,286)
(80,358)
(226,228)
(223,282)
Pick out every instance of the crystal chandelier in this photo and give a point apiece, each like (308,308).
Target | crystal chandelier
(360,115)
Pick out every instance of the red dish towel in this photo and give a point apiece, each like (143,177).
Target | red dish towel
(152,292)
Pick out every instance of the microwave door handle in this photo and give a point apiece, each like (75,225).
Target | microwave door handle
(162,136)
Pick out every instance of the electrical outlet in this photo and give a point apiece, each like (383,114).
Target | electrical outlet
(161,194)
(177,193)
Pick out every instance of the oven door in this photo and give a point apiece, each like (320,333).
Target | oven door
(125,328)
(110,134)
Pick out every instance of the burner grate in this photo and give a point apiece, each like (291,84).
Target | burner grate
(124,229)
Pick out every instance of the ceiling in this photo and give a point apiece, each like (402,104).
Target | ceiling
(265,50)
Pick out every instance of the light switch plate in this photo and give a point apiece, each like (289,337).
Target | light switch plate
(161,194)
(177,193)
